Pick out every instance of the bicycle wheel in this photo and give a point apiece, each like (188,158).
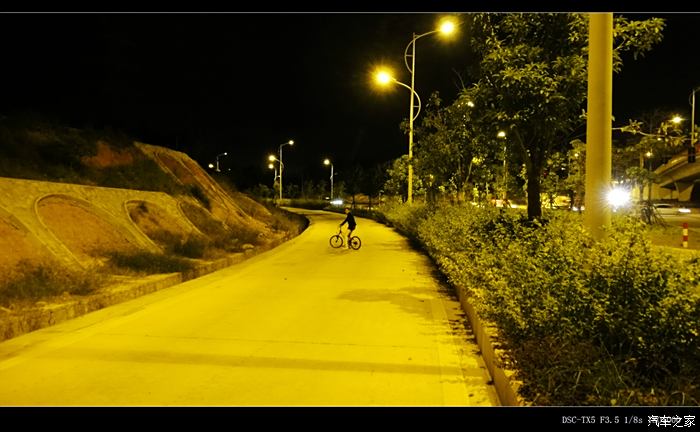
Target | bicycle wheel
(336,241)
(355,242)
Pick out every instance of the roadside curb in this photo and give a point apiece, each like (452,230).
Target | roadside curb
(15,323)
(503,379)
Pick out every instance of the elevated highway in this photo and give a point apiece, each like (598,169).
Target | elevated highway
(677,179)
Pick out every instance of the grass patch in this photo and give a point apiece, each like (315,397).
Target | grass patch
(148,262)
(35,281)
(227,238)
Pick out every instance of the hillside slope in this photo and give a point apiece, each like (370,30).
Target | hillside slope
(81,209)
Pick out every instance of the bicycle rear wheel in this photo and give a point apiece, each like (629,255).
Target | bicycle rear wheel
(355,243)
(336,241)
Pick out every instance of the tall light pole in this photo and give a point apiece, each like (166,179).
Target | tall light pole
(328,162)
(274,180)
(692,117)
(446,27)
(217,160)
(272,158)
(502,134)
(598,124)
(290,142)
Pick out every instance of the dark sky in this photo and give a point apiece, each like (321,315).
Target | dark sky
(243,83)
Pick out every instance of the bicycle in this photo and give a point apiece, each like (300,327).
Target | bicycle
(337,241)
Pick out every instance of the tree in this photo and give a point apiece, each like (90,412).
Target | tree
(373,182)
(397,179)
(450,156)
(657,136)
(532,71)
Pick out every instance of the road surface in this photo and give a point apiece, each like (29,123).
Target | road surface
(300,325)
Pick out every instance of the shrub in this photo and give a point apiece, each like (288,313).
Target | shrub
(149,263)
(584,322)
(34,281)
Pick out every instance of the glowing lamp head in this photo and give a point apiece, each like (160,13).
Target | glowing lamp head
(383,77)
(447,27)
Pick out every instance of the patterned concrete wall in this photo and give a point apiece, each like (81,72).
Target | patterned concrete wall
(20,200)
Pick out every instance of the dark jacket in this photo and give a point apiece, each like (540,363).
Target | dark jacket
(350,219)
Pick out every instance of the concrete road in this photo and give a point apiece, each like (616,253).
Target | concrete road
(303,324)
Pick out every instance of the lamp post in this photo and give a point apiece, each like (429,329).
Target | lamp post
(274,180)
(328,162)
(290,142)
(217,160)
(447,27)
(692,117)
(502,134)
(272,158)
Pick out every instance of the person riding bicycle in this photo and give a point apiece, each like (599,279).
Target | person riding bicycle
(350,219)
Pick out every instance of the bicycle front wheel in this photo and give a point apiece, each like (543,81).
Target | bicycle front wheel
(355,243)
(336,241)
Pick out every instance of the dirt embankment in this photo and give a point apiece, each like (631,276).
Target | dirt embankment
(86,225)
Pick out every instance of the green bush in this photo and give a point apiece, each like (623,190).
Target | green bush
(585,323)
(149,263)
(34,281)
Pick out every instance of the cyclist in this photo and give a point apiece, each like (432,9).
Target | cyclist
(350,219)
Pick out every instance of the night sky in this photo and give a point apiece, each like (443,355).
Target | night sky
(244,83)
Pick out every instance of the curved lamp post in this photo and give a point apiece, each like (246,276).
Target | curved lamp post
(328,162)
(446,27)
(290,142)
(272,158)
(274,180)
(217,160)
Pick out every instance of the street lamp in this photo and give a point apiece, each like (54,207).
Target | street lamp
(328,162)
(272,158)
(692,117)
(502,134)
(217,160)
(274,180)
(290,142)
(446,27)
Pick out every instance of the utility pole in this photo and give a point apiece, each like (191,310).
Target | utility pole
(599,123)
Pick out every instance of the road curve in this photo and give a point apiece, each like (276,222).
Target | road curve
(300,325)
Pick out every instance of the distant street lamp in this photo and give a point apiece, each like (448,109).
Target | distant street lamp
(272,158)
(692,117)
(217,160)
(290,142)
(274,180)
(328,162)
(447,27)
(502,134)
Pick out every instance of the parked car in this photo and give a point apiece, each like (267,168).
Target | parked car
(666,209)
